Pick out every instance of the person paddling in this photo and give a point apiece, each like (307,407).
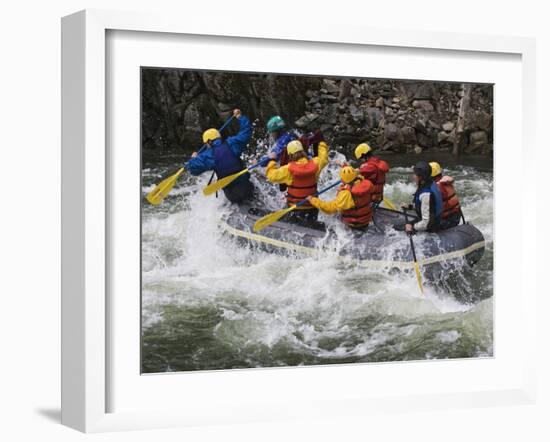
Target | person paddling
(353,200)
(280,136)
(427,201)
(451,212)
(300,176)
(373,169)
(224,158)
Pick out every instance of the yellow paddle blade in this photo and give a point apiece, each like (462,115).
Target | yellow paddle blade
(265,221)
(161,190)
(418,276)
(220,184)
(389,204)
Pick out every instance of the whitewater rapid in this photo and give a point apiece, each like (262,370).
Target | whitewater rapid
(208,304)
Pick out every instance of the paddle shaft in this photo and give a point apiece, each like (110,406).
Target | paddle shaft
(276,216)
(395,211)
(319,192)
(249,168)
(410,236)
(254,165)
(205,145)
(224,125)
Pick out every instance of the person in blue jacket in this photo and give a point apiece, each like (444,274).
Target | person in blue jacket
(224,158)
(427,201)
(281,136)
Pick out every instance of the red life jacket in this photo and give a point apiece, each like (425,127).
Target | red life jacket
(374,170)
(361,214)
(451,205)
(304,182)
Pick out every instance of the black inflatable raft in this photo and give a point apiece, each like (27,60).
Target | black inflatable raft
(381,245)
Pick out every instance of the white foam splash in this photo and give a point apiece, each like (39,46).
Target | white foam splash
(317,307)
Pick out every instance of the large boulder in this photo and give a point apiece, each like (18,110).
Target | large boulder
(306,120)
(482,120)
(478,141)
(373,117)
(356,113)
(409,135)
(424,105)
(442,136)
(421,124)
(425,90)
(448,126)
(424,140)
(331,86)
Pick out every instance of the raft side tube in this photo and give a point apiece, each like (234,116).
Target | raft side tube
(376,247)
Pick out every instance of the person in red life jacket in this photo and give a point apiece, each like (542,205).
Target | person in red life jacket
(300,176)
(353,201)
(373,169)
(224,157)
(427,201)
(280,136)
(451,212)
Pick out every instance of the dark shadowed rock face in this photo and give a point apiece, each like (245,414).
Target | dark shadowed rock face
(177,105)
(391,115)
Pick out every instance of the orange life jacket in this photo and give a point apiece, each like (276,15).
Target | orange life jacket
(451,205)
(361,214)
(374,170)
(304,182)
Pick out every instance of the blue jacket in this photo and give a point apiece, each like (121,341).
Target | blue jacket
(282,141)
(230,150)
(436,201)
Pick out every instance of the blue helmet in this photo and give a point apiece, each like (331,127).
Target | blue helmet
(275,123)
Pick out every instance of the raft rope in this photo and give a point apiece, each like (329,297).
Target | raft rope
(374,262)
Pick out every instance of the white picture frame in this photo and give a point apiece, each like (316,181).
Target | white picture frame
(85,213)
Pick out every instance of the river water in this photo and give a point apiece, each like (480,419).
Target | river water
(208,304)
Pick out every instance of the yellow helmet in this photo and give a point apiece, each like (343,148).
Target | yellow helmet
(210,135)
(361,150)
(294,147)
(348,174)
(436,169)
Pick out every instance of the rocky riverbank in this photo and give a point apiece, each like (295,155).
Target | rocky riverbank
(392,115)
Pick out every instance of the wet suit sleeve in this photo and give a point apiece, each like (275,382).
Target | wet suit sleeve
(201,163)
(322,157)
(422,225)
(278,175)
(343,201)
(238,142)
